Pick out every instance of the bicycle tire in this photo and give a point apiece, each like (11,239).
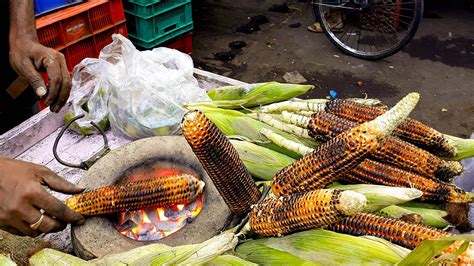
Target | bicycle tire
(376,56)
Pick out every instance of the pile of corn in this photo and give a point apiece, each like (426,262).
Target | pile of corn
(309,150)
(352,181)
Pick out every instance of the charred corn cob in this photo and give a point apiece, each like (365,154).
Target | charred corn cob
(312,105)
(410,130)
(321,167)
(221,162)
(302,211)
(155,192)
(323,126)
(371,172)
(405,234)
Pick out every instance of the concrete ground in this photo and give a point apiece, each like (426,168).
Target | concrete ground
(438,63)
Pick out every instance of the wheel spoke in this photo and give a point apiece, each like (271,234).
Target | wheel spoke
(377,29)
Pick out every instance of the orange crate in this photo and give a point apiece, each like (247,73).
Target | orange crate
(68,26)
(91,47)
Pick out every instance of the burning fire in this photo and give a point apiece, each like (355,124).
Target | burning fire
(157,223)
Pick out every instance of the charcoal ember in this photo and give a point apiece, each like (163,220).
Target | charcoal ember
(145,229)
(192,206)
(127,225)
(166,226)
(152,215)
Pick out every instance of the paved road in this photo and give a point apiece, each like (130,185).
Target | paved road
(438,63)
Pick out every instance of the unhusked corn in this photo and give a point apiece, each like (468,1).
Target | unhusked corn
(323,126)
(302,211)
(371,172)
(410,130)
(155,192)
(221,162)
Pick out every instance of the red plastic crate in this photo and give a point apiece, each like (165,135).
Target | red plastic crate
(71,25)
(183,43)
(91,47)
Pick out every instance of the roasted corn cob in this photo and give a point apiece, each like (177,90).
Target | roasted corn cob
(402,233)
(323,126)
(321,167)
(155,192)
(371,172)
(405,234)
(302,211)
(221,162)
(410,130)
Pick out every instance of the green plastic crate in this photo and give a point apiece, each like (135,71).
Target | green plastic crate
(161,39)
(144,2)
(154,9)
(155,27)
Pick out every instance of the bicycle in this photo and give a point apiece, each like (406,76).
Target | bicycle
(369,29)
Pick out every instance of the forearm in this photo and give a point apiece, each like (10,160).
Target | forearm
(22,20)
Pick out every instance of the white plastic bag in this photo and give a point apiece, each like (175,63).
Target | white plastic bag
(141,93)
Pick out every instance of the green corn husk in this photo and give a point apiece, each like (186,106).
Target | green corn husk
(6,261)
(232,92)
(464,147)
(155,254)
(417,204)
(431,217)
(425,253)
(234,97)
(229,260)
(261,162)
(379,197)
(49,256)
(320,247)
(235,123)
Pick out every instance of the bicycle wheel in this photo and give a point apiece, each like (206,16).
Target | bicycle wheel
(369,29)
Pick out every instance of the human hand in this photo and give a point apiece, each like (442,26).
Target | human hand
(22,196)
(27,56)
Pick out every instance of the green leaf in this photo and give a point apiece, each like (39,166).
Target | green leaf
(236,97)
(232,92)
(235,123)
(261,162)
(6,261)
(229,260)
(257,252)
(428,249)
(49,256)
(320,247)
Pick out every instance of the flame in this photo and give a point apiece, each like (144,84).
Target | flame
(158,223)
(154,224)
(146,219)
(161,214)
